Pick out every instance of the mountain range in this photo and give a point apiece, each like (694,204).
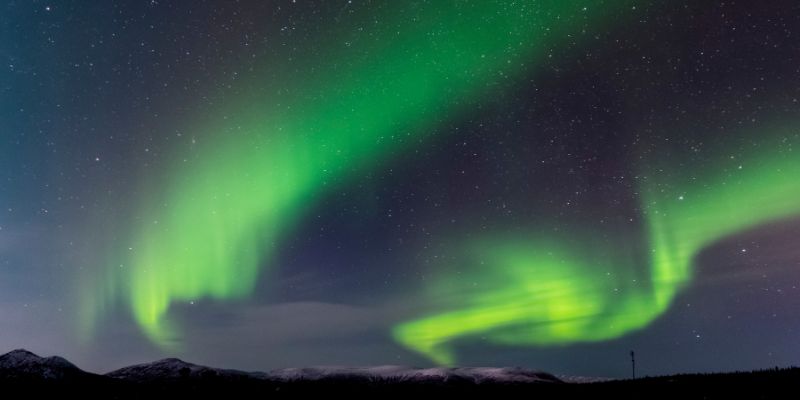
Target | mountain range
(24,365)
(26,374)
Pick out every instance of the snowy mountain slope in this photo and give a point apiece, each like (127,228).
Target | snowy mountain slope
(22,364)
(405,374)
(170,369)
(175,369)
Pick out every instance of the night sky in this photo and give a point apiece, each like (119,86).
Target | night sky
(265,184)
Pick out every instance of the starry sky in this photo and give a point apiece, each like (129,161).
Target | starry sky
(266,184)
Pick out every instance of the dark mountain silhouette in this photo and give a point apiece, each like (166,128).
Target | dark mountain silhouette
(27,374)
(173,369)
(23,365)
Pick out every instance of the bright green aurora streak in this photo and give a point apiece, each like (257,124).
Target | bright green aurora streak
(205,230)
(535,292)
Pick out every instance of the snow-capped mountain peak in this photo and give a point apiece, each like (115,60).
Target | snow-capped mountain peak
(22,363)
(176,369)
(408,374)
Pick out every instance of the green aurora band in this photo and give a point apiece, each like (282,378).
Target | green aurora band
(537,292)
(206,229)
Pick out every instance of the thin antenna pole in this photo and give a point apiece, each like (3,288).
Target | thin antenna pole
(633,364)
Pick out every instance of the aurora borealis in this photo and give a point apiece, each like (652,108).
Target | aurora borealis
(223,211)
(290,183)
(543,296)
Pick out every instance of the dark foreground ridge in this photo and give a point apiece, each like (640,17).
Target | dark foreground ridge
(25,373)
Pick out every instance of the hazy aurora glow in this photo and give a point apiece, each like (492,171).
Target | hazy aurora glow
(213,225)
(531,292)
(214,221)
(266,184)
